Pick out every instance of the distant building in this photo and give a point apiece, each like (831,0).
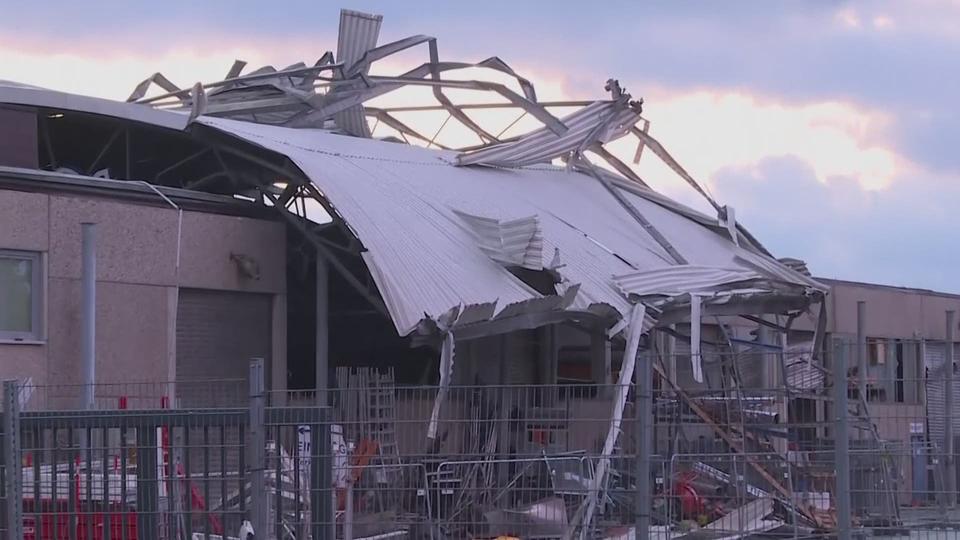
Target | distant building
(905,330)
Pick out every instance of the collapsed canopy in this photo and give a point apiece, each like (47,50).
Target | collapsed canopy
(407,205)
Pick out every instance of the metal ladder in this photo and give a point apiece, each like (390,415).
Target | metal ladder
(381,411)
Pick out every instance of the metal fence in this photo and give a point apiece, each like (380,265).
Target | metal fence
(162,472)
(811,446)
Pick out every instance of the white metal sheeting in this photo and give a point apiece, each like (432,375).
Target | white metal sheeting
(515,242)
(677,280)
(601,121)
(358,34)
(399,202)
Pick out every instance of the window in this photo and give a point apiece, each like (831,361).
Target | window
(877,352)
(20,307)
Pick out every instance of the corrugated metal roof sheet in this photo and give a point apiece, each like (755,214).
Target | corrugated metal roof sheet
(676,280)
(399,201)
(543,145)
(358,34)
(515,242)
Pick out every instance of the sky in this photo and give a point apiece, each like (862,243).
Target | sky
(831,127)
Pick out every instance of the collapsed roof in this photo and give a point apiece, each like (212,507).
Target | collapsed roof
(521,229)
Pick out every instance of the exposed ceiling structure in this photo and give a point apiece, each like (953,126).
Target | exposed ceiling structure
(495,233)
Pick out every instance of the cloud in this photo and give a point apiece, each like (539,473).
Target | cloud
(848,17)
(899,236)
(114,73)
(711,130)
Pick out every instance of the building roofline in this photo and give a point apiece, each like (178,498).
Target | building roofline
(880,286)
(16,94)
(137,192)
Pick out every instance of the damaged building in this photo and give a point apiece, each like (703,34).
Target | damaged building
(503,281)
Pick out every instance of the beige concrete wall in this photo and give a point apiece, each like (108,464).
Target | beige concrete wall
(137,275)
(23,221)
(891,313)
(208,240)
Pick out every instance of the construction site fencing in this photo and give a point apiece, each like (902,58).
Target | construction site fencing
(771,441)
(162,471)
(806,447)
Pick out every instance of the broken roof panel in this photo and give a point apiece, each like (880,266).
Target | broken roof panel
(677,280)
(601,121)
(401,202)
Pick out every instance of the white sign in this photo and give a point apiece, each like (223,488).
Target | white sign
(340,452)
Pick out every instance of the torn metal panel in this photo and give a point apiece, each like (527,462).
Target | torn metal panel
(358,34)
(729,218)
(677,280)
(447,352)
(543,145)
(515,242)
(780,271)
(158,79)
(696,360)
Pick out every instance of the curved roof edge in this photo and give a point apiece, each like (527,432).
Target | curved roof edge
(12,93)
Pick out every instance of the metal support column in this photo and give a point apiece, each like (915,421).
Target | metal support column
(547,360)
(322,331)
(148,483)
(323,495)
(841,437)
(601,365)
(256,465)
(13,480)
(88,347)
(643,377)
(948,446)
(862,359)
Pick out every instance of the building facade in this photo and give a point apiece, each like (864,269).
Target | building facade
(173,301)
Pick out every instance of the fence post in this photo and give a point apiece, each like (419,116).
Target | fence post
(841,438)
(643,375)
(862,360)
(948,443)
(322,493)
(148,481)
(258,447)
(14,478)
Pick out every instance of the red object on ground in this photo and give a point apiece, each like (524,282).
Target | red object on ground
(119,519)
(691,504)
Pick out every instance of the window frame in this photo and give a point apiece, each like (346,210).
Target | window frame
(36,297)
